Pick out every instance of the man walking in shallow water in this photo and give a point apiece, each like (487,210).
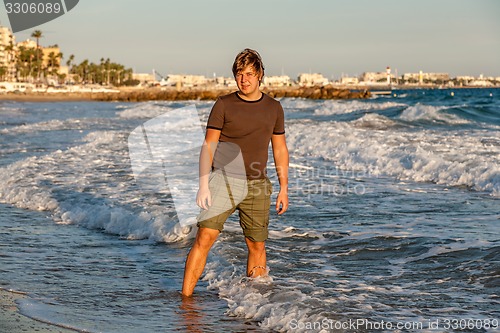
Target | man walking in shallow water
(248,120)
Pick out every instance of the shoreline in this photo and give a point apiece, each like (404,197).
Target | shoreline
(13,321)
(183,94)
(46,97)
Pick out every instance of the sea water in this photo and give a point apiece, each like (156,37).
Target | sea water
(393,223)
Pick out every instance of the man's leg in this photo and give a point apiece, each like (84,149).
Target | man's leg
(197,258)
(256,263)
(254,220)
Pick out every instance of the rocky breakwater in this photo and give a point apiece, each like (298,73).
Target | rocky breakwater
(173,94)
(323,92)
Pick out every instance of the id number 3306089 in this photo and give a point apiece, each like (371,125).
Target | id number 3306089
(45,7)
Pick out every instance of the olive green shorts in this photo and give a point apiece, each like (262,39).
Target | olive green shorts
(251,197)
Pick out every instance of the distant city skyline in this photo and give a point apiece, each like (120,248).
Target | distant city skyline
(458,37)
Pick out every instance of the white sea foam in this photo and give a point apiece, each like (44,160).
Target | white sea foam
(295,104)
(149,110)
(453,158)
(374,121)
(421,112)
(74,186)
(10,110)
(143,110)
(330,107)
(274,307)
(335,107)
(443,249)
(51,125)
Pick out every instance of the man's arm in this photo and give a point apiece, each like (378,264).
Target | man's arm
(280,153)
(203,198)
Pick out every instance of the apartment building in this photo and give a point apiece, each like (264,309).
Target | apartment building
(378,77)
(314,79)
(277,81)
(422,77)
(184,80)
(7,54)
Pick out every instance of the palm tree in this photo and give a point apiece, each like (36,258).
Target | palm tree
(37,34)
(24,63)
(69,62)
(3,72)
(83,70)
(71,66)
(107,63)
(11,56)
(53,63)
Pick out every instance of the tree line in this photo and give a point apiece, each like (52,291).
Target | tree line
(30,67)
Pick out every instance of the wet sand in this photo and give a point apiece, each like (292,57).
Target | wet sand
(12,321)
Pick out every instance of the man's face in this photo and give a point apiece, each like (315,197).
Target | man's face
(248,81)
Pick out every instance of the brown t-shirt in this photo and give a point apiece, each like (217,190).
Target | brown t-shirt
(248,125)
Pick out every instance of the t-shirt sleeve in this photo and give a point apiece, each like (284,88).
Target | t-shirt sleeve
(279,127)
(216,118)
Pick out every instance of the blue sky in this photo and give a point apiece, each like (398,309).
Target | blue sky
(460,37)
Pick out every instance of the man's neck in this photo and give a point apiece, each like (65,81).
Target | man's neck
(251,98)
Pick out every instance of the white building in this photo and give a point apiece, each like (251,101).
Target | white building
(184,80)
(7,53)
(465,78)
(28,44)
(15,87)
(378,77)
(422,77)
(309,80)
(277,81)
(225,82)
(349,80)
(145,78)
(481,82)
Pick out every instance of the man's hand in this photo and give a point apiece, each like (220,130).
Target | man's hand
(280,152)
(204,198)
(282,202)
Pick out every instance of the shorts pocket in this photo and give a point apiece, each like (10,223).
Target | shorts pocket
(269,187)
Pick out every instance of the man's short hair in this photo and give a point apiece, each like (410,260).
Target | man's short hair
(248,57)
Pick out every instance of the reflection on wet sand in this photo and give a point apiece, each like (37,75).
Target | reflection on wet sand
(192,314)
